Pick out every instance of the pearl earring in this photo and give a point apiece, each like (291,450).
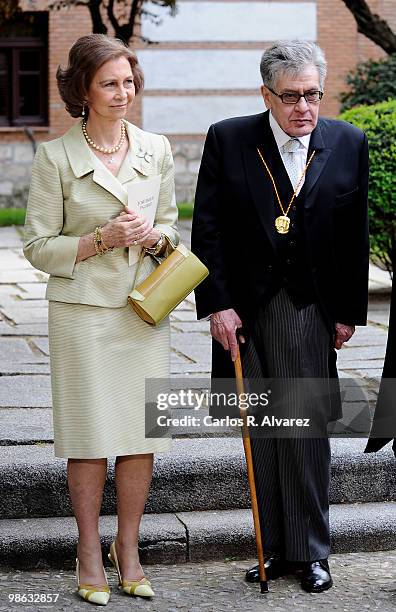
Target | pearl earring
(83,111)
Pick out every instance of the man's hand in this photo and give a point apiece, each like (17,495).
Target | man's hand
(343,334)
(223,326)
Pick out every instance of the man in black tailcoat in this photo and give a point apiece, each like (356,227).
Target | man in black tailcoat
(383,430)
(280,220)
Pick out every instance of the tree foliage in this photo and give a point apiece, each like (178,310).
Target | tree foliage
(379,123)
(371,82)
(123,15)
(8,10)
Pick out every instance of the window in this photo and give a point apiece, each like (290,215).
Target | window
(23,70)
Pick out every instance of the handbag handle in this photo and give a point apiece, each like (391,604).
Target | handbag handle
(156,257)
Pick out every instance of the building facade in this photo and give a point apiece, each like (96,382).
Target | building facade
(204,67)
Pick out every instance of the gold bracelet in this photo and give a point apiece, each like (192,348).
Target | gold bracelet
(105,248)
(96,242)
(100,246)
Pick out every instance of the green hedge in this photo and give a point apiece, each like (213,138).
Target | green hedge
(12,216)
(379,123)
(16,216)
(371,82)
(185,210)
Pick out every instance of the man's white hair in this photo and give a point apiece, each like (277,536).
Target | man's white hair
(291,57)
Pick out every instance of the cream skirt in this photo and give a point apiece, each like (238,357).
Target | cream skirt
(99,360)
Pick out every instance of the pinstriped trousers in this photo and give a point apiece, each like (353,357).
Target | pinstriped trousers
(292,474)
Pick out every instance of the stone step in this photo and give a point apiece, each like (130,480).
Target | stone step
(186,536)
(199,474)
(32,426)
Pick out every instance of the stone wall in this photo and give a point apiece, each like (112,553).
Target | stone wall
(16,163)
(187,156)
(15,170)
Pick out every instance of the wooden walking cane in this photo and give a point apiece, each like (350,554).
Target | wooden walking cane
(250,473)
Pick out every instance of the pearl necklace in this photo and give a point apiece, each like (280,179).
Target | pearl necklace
(104,149)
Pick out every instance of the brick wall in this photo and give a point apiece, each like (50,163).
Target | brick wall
(336,34)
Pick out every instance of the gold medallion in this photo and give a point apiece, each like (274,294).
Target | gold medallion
(282,224)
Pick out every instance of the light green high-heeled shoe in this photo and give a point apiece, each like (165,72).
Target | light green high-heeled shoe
(141,587)
(91,593)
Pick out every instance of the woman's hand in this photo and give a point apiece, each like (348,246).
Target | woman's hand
(151,239)
(128,229)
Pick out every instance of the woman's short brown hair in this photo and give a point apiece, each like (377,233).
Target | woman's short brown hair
(86,56)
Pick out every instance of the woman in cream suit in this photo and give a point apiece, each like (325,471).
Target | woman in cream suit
(80,231)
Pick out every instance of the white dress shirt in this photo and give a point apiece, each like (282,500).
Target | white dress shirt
(281,138)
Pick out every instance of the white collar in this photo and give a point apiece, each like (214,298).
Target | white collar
(281,137)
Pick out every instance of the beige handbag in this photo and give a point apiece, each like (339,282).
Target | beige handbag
(170,283)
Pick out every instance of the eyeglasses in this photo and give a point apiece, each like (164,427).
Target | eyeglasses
(292,97)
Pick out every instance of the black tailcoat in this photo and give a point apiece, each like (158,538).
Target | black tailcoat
(235,208)
(385,412)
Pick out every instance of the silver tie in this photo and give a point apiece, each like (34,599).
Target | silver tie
(289,148)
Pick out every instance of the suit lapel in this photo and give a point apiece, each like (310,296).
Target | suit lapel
(103,177)
(259,182)
(127,172)
(317,165)
(137,162)
(260,185)
(77,150)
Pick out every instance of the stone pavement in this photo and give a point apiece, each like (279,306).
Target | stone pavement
(24,360)
(361,582)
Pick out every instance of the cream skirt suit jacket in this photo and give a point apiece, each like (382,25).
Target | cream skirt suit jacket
(101,352)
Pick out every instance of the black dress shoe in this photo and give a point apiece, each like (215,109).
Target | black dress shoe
(274,565)
(315,576)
